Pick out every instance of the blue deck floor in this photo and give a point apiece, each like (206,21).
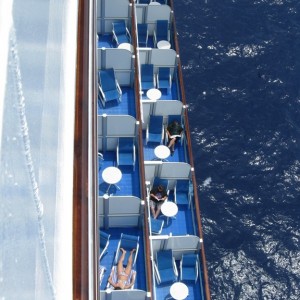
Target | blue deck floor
(126,107)
(128,184)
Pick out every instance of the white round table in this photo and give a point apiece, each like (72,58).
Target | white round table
(162,152)
(111,175)
(163,45)
(126,46)
(169,209)
(179,291)
(153,94)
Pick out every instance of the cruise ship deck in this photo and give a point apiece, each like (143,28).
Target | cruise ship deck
(123,198)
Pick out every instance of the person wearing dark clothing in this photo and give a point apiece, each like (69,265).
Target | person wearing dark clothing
(174,131)
(157,197)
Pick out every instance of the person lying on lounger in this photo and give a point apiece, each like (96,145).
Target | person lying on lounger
(123,274)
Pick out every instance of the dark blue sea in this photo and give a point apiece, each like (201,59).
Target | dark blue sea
(241,61)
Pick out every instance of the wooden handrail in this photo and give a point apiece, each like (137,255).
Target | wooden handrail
(80,179)
(141,152)
(189,145)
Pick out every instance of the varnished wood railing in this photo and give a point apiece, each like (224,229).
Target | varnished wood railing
(141,152)
(81,274)
(189,145)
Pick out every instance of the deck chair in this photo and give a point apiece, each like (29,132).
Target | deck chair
(164,80)
(104,242)
(189,265)
(183,192)
(147,76)
(126,152)
(161,181)
(155,130)
(161,32)
(142,34)
(156,225)
(172,118)
(144,1)
(100,160)
(114,277)
(165,267)
(120,32)
(127,242)
(109,88)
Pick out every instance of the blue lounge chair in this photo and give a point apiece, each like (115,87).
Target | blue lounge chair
(104,242)
(144,1)
(161,181)
(126,152)
(189,265)
(120,32)
(142,34)
(109,88)
(165,267)
(183,192)
(156,225)
(179,119)
(164,80)
(147,76)
(155,130)
(100,160)
(161,32)
(127,242)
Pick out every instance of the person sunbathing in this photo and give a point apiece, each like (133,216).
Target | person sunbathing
(123,274)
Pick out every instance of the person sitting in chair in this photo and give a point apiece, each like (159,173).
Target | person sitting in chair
(123,274)
(157,197)
(174,131)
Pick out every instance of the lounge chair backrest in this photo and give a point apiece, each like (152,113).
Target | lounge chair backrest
(189,267)
(156,225)
(164,77)
(162,30)
(104,242)
(182,186)
(128,242)
(107,79)
(155,124)
(164,73)
(126,144)
(160,181)
(147,72)
(119,27)
(165,267)
(142,33)
(164,259)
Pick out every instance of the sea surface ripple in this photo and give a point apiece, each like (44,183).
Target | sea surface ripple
(241,63)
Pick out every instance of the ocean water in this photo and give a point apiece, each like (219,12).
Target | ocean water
(241,61)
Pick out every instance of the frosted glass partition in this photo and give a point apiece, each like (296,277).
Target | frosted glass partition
(179,244)
(37,93)
(171,107)
(168,170)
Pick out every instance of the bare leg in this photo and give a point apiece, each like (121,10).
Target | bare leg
(129,263)
(157,212)
(120,262)
(172,143)
(153,212)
